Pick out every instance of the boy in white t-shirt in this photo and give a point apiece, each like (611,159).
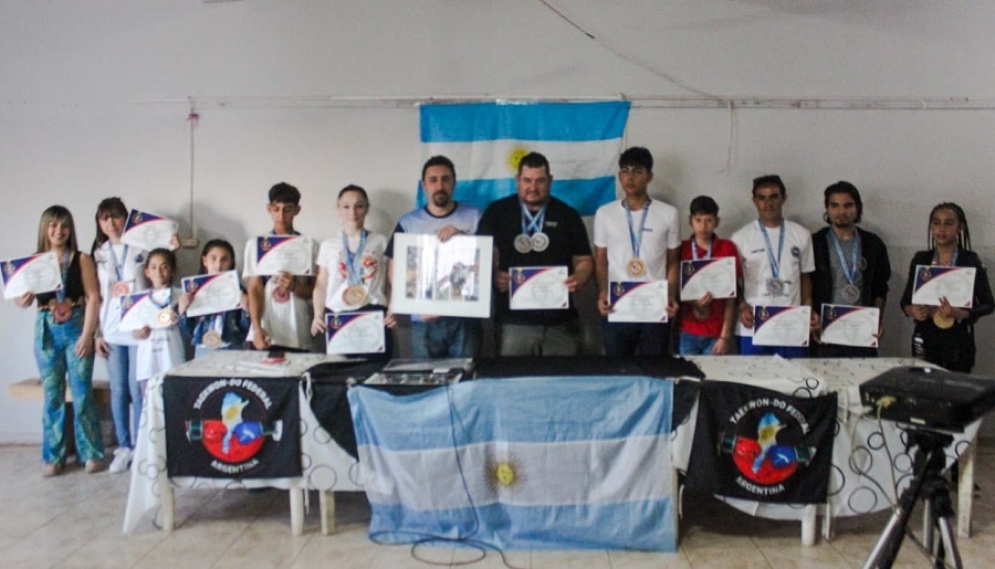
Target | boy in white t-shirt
(280,306)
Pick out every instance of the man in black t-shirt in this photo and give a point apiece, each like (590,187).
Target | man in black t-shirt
(532,229)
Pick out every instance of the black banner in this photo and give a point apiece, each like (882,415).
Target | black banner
(232,427)
(762,445)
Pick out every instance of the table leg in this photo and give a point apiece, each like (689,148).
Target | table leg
(828,523)
(965,491)
(296,510)
(809,524)
(168,506)
(326,505)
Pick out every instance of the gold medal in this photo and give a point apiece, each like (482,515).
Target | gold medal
(636,267)
(120,288)
(943,322)
(354,295)
(62,311)
(166,318)
(212,339)
(281,295)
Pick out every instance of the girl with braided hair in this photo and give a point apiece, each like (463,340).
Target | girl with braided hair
(944,335)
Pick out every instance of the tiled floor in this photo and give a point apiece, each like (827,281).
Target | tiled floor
(75,521)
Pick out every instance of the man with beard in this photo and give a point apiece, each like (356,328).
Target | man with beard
(851,264)
(533,229)
(440,336)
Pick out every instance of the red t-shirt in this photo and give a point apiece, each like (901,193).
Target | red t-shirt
(712,326)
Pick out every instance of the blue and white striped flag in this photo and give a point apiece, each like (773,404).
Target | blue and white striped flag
(525,463)
(582,142)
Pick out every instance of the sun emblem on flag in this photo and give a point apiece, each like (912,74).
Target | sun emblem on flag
(503,473)
(515,156)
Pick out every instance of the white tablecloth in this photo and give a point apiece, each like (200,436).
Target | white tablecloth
(325,465)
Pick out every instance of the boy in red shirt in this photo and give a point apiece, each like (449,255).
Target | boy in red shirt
(707,325)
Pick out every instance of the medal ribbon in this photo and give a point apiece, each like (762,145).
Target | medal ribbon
(953,260)
(169,299)
(850,272)
(118,267)
(532,223)
(353,271)
(64,265)
(775,264)
(636,239)
(694,249)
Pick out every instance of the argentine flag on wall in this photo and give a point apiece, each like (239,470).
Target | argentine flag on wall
(485,141)
(524,463)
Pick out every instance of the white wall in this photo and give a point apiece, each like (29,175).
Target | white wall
(76,125)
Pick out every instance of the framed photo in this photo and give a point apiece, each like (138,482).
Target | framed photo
(442,279)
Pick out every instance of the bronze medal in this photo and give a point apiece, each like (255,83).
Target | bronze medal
(354,295)
(212,339)
(943,322)
(166,318)
(281,295)
(62,311)
(120,288)
(636,267)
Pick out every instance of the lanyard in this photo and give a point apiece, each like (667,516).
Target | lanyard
(532,223)
(694,249)
(118,267)
(353,271)
(775,264)
(850,272)
(169,299)
(953,260)
(636,238)
(64,265)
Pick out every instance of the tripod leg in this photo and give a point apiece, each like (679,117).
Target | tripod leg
(948,543)
(885,548)
(928,523)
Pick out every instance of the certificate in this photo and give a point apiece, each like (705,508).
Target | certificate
(444,279)
(355,333)
(781,325)
(717,276)
(148,231)
(138,311)
(850,325)
(539,288)
(211,294)
(644,301)
(274,254)
(954,283)
(35,274)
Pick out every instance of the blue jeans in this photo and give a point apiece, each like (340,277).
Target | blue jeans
(629,338)
(446,337)
(746,348)
(55,352)
(126,395)
(695,345)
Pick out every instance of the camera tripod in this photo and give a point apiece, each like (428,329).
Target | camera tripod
(928,485)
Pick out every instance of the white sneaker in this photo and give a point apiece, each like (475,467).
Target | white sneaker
(122,458)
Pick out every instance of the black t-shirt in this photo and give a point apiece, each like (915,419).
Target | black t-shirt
(502,220)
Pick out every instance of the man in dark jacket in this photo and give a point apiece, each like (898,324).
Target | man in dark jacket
(851,264)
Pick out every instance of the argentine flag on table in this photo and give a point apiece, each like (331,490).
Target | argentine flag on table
(485,141)
(524,463)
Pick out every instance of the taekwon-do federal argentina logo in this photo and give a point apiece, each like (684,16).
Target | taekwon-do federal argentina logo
(765,439)
(232,425)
